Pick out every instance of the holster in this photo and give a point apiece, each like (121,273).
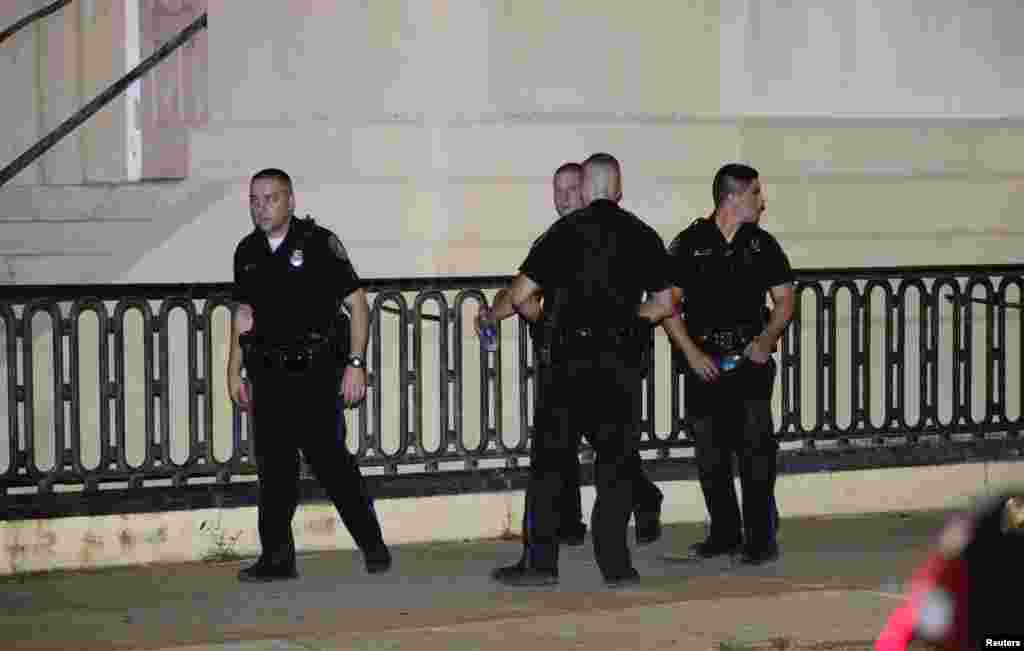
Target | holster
(299,356)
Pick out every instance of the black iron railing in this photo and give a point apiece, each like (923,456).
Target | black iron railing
(115,399)
(24,22)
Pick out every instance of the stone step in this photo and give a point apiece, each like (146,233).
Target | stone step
(93,233)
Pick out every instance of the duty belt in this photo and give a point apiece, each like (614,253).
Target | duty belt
(726,347)
(596,335)
(724,340)
(297,356)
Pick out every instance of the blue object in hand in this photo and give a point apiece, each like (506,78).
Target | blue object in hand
(488,334)
(728,362)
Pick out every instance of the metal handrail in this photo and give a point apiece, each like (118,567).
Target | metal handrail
(100,101)
(33,17)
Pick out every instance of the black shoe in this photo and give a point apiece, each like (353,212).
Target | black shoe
(647,527)
(647,523)
(378,561)
(758,556)
(573,535)
(261,572)
(627,580)
(518,575)
(507,570)
(712,548)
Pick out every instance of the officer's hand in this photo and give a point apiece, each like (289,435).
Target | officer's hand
(353,385)
(244,318)
(703,366)
(755,351)
(239,392)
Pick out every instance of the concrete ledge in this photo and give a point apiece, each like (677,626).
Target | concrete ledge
(133,539)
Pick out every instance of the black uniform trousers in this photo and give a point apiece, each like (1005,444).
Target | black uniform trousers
(591,386)
(647,497)
(295,412)
(732,415)
(571,506)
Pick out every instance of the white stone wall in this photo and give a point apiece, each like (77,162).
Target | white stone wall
(424,133)
(871,57)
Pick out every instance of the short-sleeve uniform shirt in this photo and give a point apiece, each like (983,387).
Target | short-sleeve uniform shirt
(298,288)
(725,284)
(595,264)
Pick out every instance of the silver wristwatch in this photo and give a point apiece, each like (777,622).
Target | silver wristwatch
(356,361)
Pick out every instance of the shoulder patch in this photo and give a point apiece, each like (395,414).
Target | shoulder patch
(337,248)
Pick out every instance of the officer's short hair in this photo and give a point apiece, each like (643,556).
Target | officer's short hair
(571,166)
(730,179)
(603,160)
(273,173)
(601,174)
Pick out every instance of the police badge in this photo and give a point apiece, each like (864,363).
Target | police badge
(296,259)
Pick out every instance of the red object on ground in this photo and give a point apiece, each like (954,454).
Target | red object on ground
(935,608)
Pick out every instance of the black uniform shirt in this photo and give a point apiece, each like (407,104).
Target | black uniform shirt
(724,284)
(298,288)
(595,265)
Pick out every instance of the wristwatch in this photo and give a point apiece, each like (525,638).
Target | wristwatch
(356,361)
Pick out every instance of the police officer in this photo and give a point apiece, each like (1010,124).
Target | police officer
(725,265)
(567,197)
(647,497)
(592,269)
(291,277)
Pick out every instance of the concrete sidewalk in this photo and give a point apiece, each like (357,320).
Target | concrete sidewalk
(836,582)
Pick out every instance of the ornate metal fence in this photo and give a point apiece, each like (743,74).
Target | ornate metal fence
(114,397)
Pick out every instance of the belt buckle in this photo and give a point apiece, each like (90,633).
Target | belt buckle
(296,361)
(724,339)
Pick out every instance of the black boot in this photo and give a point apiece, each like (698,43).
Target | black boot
(378,561)
(521,575)
(262,572)
(573,535)
(507,570)
(628,579)
(647,525)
